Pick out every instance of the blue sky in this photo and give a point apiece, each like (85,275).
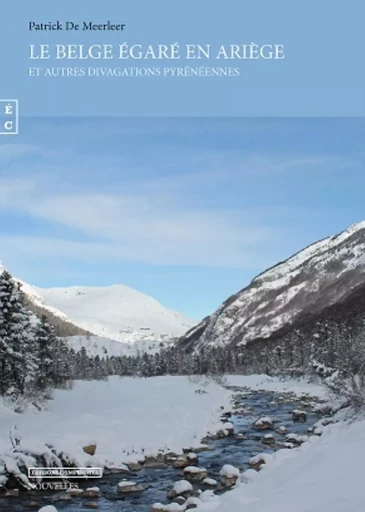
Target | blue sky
(185,210)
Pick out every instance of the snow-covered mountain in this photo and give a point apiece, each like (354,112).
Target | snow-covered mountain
(115,312)
(316,278)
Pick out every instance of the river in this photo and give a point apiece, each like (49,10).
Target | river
(228,450)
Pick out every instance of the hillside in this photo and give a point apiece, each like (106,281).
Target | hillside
(318,281)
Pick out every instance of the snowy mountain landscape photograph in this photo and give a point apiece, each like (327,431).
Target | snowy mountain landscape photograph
(182,315)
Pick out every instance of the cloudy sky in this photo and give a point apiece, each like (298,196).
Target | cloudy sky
(185,210)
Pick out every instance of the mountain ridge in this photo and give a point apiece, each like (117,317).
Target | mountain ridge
(318,276)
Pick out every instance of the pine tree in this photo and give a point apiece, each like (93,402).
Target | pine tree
(64,365)
(16,339)
(46,347)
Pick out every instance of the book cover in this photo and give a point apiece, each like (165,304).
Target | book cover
(182,271)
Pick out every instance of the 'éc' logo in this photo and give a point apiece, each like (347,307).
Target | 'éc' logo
(9,117)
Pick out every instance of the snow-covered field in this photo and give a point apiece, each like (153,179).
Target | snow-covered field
(324,475)
(122,416)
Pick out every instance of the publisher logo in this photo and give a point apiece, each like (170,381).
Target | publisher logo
(65,472)
(9,117)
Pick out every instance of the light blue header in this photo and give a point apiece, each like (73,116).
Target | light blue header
(188,58)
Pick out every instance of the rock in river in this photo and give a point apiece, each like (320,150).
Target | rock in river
(125,487)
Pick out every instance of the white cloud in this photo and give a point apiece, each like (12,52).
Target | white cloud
(58,249)
(136,228)
(153,220)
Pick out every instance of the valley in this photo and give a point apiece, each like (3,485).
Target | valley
(112,369)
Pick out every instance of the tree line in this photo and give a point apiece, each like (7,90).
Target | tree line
(33,360)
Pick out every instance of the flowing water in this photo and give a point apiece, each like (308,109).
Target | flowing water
(228,450)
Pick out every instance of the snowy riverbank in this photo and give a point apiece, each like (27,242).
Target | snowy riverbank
(130,418)
(126,418)
(323,475)
(106,405)
(278,384)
